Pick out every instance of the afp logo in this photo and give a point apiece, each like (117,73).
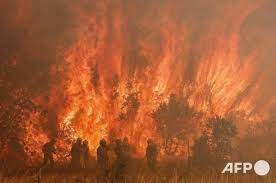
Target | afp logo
(261,167)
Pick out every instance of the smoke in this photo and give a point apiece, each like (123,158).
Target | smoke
(73,56)
(30,33)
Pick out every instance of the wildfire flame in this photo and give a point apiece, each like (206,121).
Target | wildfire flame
(122,63)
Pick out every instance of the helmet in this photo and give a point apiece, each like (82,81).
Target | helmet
(79,140)
(102,142)
(85,142)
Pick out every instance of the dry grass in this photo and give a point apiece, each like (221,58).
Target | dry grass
(139,173)
(140,179)
(143,177)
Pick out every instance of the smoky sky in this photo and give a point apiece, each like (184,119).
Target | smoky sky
(30,32)
(260,31)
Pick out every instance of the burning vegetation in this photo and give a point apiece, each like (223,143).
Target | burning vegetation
(195,76)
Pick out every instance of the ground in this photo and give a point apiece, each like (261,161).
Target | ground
(138,172)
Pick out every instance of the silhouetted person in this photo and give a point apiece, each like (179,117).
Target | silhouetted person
(126,151)
(118,148)
(48,151)
(76,153)
(122,150)
(118,165)
(85,154)
(151,154)
(126,148)
(102,157)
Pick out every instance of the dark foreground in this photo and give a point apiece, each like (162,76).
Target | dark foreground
(138,172)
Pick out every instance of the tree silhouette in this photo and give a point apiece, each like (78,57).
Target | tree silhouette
(130,105)
(16,107)
(202,156)
(171,118)
(214,145)
(222,133)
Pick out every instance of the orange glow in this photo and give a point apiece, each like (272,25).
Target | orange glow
(119,68)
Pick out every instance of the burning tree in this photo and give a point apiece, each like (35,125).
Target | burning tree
(88,45)
(130,105)
(16,109)
(222,133)
(172,118)
(202,156)
(215,144)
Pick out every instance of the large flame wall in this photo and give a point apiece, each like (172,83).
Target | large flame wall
(112,54)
